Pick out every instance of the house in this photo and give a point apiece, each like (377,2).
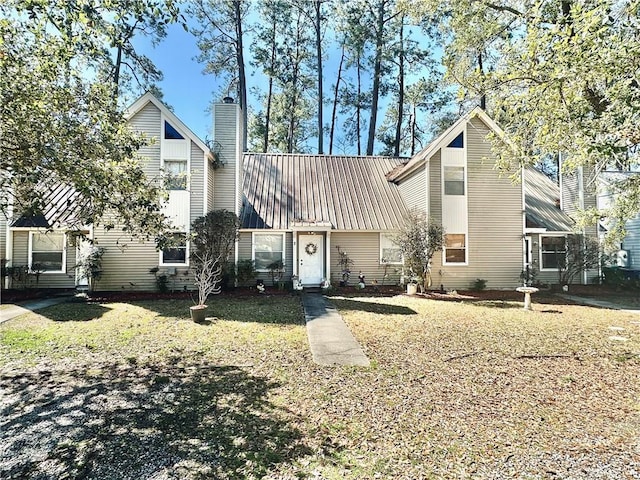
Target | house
(307,210)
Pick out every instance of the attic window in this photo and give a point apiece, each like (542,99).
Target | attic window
(170,133)
(457,142)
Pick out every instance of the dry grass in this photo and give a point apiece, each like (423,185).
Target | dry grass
(456,390)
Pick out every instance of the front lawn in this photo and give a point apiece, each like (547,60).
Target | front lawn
(455,390)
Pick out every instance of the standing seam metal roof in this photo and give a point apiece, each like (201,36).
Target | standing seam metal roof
(349,192)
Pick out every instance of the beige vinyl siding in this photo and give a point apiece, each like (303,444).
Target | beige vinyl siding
(148,121)
(245,252)
(435,187)
(46,280)
(127,261)
(3,238)
(546,277)
(196,182)
(364,249)
(225,134)
(414,190)
(494,243)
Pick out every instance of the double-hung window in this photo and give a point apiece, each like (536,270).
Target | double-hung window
(176,174)
(47,252)
(389,251)
(176,253)
(267,249)
(553,252)
(455,248)
(454,180)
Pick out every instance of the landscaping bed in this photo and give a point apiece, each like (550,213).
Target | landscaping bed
(456,389)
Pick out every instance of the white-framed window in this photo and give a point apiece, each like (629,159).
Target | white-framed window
(175,172)
(454,180)
(455,248)
(178,253)
(267,249)
(553,252)
(389,251)
(47,252)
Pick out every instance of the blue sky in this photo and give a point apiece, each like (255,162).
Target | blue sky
(186,89)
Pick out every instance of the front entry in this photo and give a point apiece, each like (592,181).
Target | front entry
(311,259)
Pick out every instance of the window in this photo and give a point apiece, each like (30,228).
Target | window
(177,253)
(455,248)
(554,252)
(47,252)
(389,251)
(267,248)
(170,133)
(457,142)
(176,174)
(454,180)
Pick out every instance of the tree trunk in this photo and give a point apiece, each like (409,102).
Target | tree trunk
(267,121)
(116,73)
(359,105)
(396,143)
(483,96)
(335,103)
(377,73)
(318,4)
(413,129)
(242,82)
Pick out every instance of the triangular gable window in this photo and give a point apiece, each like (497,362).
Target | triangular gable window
(457,142)
(170,133)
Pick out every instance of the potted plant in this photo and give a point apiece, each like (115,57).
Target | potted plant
(213,240)
(419,239)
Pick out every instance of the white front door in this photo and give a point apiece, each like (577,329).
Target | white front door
(83,249)
(310,259)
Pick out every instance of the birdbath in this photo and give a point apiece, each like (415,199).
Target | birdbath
(527,295)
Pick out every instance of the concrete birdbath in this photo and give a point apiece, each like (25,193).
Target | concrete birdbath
(527,295)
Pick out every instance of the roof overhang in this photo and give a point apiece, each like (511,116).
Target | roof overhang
(422,157)
(168,114)
(310,226)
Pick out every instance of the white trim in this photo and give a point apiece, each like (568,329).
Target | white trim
(139,104)
(64,250)
(540,262)
(186,253)
(466,251)
(387,236)
(268,232)
(445,138)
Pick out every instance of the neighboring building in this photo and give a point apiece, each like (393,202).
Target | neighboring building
(299,209)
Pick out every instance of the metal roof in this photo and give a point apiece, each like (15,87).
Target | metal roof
(62,207)
(282,191)
(542,203)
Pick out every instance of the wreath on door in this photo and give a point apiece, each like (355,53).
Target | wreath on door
(311,248)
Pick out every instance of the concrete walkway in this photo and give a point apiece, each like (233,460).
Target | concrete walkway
(13,311)
(331,341)
(598,303)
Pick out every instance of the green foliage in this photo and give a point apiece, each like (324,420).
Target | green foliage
(212,242)
(162,283)
(419,239)
(479,284)
(61,121)
(583,253)
(91,265)
(559,76)
(245,272)
(276,271)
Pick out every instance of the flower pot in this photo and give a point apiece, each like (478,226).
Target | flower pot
(198,313)
(412,288)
